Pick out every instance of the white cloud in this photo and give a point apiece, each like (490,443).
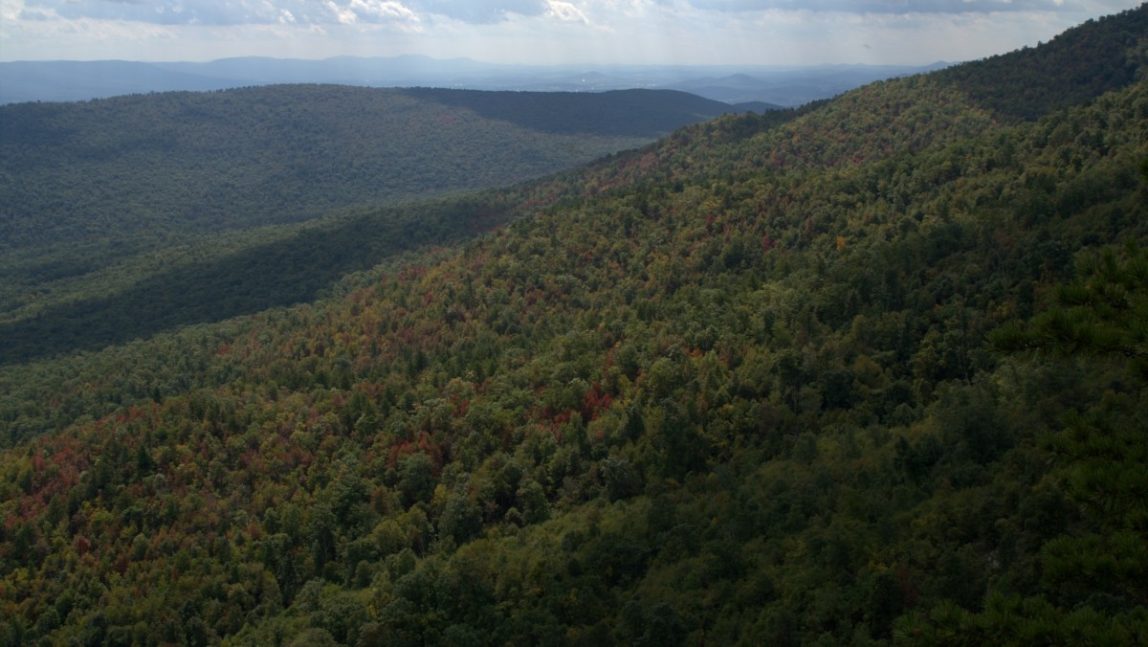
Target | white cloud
(343,15)
(232,12)
(10,10)
(565,11)
(383,9)
(904,6)
(481,11)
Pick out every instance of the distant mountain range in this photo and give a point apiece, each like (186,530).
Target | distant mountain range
(778,86)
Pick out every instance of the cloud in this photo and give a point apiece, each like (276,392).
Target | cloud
(315,12)
(485,12)
(566,12)
(383,10)
(232,12)
(540,31)
(882,6)
(481,11)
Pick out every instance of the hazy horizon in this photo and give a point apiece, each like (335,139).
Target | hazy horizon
(468,60)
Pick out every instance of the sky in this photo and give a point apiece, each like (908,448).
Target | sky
(597,32)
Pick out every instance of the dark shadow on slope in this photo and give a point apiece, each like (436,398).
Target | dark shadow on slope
(628,113)
(282,273)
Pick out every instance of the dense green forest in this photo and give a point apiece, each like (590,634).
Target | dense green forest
(281,266)
(870,372)
(96,195)
(255,156)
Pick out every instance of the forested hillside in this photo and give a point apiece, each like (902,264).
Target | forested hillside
(876,373)
(263,269)
(1079,64)
(206,161)
(109,204)
(239,158)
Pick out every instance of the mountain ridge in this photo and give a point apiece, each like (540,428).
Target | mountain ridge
(858,373)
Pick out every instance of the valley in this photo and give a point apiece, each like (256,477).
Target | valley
(167,200)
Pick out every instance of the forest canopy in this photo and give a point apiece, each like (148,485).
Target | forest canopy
(872,372)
